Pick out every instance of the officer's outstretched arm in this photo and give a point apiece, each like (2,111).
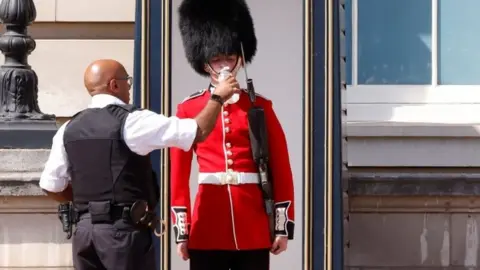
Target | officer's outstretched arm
(181,164)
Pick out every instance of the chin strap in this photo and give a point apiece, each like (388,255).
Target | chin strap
(234,72)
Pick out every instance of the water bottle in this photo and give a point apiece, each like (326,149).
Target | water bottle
(224,73)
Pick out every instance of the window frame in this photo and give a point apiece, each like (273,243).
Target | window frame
(413,103)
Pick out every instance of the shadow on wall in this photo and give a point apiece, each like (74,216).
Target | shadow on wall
(19,229)
(402,240)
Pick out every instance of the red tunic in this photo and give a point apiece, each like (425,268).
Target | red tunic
(230,216)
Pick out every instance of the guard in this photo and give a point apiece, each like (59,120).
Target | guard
(229,226)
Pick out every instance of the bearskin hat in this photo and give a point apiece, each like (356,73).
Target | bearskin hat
(212,27)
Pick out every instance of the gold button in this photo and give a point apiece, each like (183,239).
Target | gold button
(227,130)
(229,153)
(225,113)
(227,120)
(229,179)
(230,162)
(230,170)
(228,145)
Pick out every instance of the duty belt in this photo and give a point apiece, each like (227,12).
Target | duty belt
(104,212)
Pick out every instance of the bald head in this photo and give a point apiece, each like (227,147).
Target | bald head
(99,74)
(104,76)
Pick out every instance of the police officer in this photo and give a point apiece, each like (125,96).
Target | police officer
(100,161)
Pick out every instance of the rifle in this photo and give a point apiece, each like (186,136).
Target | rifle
(259,144)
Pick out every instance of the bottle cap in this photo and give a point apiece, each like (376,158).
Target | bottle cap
(224,72)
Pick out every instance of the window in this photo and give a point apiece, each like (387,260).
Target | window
(411,52)
(394,42)
(458,42)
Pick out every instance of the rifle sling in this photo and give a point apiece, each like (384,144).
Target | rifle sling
(259,145)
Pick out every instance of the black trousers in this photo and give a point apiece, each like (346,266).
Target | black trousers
(258,259)
(117,246)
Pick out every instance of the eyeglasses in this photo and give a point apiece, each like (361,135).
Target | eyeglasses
(129,80)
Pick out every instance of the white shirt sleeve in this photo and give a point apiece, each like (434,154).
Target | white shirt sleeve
(146,131)
(56,176)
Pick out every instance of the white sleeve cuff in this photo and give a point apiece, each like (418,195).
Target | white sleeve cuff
(188,128)
(53,185)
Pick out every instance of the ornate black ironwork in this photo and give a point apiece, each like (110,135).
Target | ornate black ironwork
(18,81)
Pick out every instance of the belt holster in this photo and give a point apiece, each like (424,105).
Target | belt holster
(100,212)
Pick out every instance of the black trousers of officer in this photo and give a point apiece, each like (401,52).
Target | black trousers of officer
(117,246)
(258,259)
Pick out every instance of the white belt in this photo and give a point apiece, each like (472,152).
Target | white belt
(228,178)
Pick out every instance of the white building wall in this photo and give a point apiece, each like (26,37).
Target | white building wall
(69,35)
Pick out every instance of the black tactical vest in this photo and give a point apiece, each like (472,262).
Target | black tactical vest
(102,166)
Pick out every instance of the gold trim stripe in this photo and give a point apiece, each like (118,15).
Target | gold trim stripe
(165,160)
(325,155)
(307,151)
(329,131)
(145,43)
